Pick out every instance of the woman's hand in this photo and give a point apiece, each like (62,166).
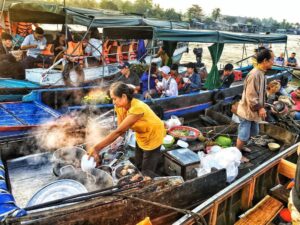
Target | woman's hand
(92,152)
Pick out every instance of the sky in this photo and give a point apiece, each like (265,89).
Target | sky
(255,8)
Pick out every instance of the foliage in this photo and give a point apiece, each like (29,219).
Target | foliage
(216,13)
(195,12)
(108,4)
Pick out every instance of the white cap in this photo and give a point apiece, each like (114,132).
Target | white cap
(164,69)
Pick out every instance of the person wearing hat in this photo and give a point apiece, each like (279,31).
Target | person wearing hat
(128,77)
(169,85)
(178,78)
(192,81)
(138,116)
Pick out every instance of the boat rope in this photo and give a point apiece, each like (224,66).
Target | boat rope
(197,217)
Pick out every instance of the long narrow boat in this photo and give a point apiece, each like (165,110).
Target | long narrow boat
(69,99)
(130,204)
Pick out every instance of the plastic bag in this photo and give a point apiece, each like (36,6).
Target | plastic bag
(228,158)
(204,165)
(172,122)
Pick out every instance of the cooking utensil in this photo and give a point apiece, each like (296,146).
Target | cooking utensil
(67,156)
(56,190)
(87,163)
(94,179)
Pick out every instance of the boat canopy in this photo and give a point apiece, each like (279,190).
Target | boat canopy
(184,35)
(57,14)
(208,36)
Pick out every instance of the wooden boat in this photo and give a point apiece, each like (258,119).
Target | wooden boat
(69,99)
(129,205)
(56,14)
(255,187)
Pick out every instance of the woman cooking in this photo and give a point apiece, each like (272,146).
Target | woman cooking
(136,115)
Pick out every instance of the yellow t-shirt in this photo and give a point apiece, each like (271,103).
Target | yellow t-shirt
(149,130)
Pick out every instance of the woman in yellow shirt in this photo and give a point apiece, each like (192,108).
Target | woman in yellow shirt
(136,115)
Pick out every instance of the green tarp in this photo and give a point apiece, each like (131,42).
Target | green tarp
(56,14)
(207,36)
(213,78)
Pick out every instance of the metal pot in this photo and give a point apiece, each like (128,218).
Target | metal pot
(95,179)
(67,156)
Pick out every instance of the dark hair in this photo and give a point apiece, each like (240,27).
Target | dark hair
(153,68)
(294,53)
(261,48)
(77,37)
(228,66)
(39,30)
(119,88)
(95,33)
(264,54)
(174,67)
(6,36)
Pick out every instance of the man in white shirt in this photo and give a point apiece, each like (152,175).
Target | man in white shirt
(169,85)
(34,44)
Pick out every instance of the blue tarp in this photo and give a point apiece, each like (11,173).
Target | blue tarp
(8,205)
(25,114)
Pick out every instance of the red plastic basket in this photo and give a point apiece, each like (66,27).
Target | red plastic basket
(193,133)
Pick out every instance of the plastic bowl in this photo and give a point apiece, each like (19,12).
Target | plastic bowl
(191,133)
(273,146)
(168,141)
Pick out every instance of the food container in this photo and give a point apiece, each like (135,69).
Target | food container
(181,162)
(273,146)
(184,133)
(168,141)
(67,156)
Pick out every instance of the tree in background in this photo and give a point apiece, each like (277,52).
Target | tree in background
(216,13)
(108,4)
(195,12)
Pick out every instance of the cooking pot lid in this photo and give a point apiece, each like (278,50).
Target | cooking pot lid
(57,190)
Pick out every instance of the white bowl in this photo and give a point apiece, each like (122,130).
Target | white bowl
(87,164)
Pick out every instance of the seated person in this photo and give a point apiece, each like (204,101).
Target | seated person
(192,81)
(59,43)
(169,86)
(6,43)
(295,95)
(10,67)
(94,47)
(129,77)
(273,89)
(165,59)
(292,61)
(34,44)
(178,78)
(279,60)
(151,90)
(228,76)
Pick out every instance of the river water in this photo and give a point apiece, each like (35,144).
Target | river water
(233,52)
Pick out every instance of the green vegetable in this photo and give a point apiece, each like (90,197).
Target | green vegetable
(224,141)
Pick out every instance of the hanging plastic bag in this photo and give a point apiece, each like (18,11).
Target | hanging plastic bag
(172,122)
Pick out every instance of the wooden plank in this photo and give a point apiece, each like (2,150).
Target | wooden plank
(287,168)
(263,213)
(247,195)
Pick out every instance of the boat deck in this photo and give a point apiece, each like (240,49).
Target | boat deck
(28,174)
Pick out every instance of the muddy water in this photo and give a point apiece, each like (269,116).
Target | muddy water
(233,52)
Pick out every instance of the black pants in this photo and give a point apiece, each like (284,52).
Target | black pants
(29,61)
(146,160)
